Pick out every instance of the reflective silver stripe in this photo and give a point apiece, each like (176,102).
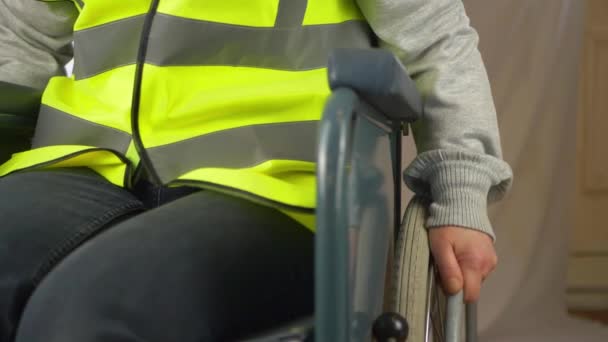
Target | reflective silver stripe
(237,148)
(59,128)
(106,47)
(180,42)
(291,13)
(176,41)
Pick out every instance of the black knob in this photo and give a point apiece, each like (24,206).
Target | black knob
(390,325)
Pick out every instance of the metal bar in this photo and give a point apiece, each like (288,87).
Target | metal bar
(332,300)
(471,317)
(453,322)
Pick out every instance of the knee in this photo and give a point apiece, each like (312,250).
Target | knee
(56,312)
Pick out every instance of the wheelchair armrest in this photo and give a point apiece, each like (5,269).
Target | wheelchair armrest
(379,78)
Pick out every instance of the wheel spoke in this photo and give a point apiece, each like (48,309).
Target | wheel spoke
(429,305)
(440,306)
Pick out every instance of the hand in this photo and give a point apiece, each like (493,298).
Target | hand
(464,257)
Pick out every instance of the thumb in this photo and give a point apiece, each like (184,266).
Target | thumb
(447,264)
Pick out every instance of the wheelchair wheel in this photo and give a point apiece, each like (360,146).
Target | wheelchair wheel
(417,294)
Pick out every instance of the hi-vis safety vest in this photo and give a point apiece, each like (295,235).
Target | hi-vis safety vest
(219,94)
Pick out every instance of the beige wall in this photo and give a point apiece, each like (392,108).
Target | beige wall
(588,262)
(531,50)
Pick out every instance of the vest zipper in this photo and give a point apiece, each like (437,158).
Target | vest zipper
(135,104)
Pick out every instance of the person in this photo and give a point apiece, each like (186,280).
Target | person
(168,194)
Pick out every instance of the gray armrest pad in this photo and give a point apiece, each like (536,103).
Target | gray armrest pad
(379,78)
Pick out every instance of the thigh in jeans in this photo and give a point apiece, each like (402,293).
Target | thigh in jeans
(43,216)
(206,267)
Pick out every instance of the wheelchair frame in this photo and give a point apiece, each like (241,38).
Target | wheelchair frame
(372,102)
(358,115)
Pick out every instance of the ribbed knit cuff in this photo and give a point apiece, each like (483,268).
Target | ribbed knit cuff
(459,197)
(459,185)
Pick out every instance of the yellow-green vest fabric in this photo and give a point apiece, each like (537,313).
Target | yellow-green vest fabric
(217,94)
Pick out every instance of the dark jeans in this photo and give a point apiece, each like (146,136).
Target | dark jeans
(84,261)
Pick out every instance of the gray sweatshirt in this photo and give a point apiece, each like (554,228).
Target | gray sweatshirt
(459,163)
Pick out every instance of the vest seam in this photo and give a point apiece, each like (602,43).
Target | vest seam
(109,23)
(270,28)
(76,154)
(84,120)
(228,129)
(77,78)
(243,193)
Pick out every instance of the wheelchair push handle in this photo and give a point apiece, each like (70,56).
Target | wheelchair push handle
(379,78)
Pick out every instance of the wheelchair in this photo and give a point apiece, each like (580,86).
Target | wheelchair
(374,275)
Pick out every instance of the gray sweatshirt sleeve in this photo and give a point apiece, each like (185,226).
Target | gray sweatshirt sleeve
(459,164)
(35,40)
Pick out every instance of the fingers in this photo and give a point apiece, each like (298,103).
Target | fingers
(464,259)
(472,284)
(475,265)
(447,264)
